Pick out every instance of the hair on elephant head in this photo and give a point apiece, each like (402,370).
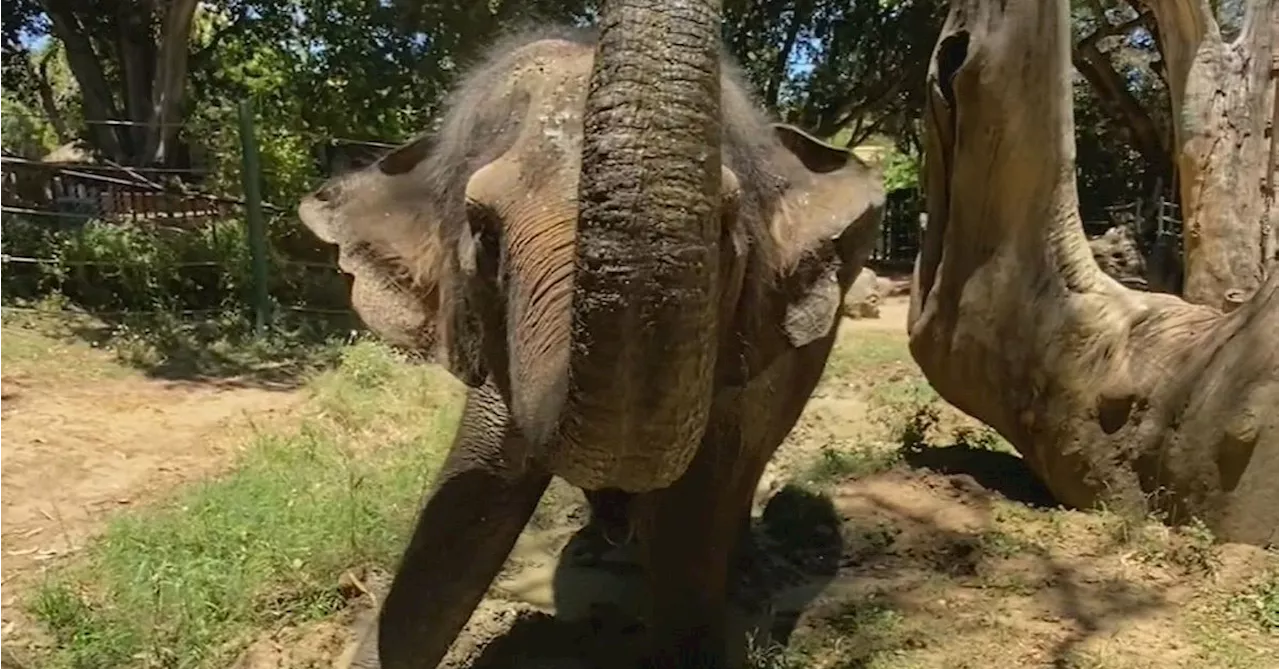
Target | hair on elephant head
(608,242)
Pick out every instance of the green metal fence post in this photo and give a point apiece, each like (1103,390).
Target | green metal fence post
(251,176)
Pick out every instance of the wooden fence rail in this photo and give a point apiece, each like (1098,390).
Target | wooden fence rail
(93,191)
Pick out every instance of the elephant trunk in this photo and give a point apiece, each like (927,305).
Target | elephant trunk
(646,270)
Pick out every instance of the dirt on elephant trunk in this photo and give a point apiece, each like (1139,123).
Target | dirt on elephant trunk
(1112,396)
(646,285)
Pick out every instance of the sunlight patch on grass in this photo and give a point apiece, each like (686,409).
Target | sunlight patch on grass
(833,464)
(1260,604)
(27,350)
(859,354)
(181,584)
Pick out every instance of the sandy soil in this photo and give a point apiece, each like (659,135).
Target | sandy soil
(76,451)
(951,559)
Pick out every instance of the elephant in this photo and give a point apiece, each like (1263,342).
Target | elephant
(639,279)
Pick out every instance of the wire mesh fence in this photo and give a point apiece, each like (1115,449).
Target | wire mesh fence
(114,240)
(899,239)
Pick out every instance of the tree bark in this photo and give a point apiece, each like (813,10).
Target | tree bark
(135,48)
(95,92)
(152,75)
(1222,93)
(170,79)
(1117,397)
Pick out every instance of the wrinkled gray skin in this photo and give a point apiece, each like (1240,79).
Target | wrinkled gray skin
(652,346)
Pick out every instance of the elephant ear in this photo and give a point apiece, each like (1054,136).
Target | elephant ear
(826,223)
(388,236)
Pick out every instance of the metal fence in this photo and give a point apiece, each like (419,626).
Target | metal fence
(899,231)
(162,205)
(1155,222)
(208,252)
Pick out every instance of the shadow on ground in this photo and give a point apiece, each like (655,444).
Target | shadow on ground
(993,470)
(903,562)
(221,350)
(599,593)
(936,565)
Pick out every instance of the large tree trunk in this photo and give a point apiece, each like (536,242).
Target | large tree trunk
(646,278)
(1222,94)
(152,68)
(95,93)
(170,79)
(1112,396)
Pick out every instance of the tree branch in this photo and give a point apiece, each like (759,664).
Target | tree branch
(200,58)
(1183,24)
(47,100)
(1095,66)
(877,102)
(1109,30)
(799,13)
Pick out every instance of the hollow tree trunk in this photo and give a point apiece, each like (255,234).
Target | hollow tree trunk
(646,285)
(1221,94)
(1112,396)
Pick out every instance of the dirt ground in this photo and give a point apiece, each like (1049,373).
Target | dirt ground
(88,438)
(949,557)
(952,558)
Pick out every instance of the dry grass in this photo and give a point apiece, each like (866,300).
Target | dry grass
(188,582)
(954,556)
(949,554)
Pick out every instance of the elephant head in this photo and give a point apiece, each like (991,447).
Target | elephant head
(601,232)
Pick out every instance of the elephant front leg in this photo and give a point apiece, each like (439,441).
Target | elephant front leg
(689,535)
(465,531)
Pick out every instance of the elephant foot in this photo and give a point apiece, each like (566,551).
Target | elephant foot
(695,649)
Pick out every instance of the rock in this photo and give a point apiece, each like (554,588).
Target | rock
(864,296)
(1116,252)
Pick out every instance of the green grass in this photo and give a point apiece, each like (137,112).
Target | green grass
(833,465)
(184,584)
(26,350)
(861,634)
(880,365)
(867,352)
(1261,602)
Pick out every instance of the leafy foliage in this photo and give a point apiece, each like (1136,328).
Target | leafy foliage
(901,170)
(25,132)
(324,77)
